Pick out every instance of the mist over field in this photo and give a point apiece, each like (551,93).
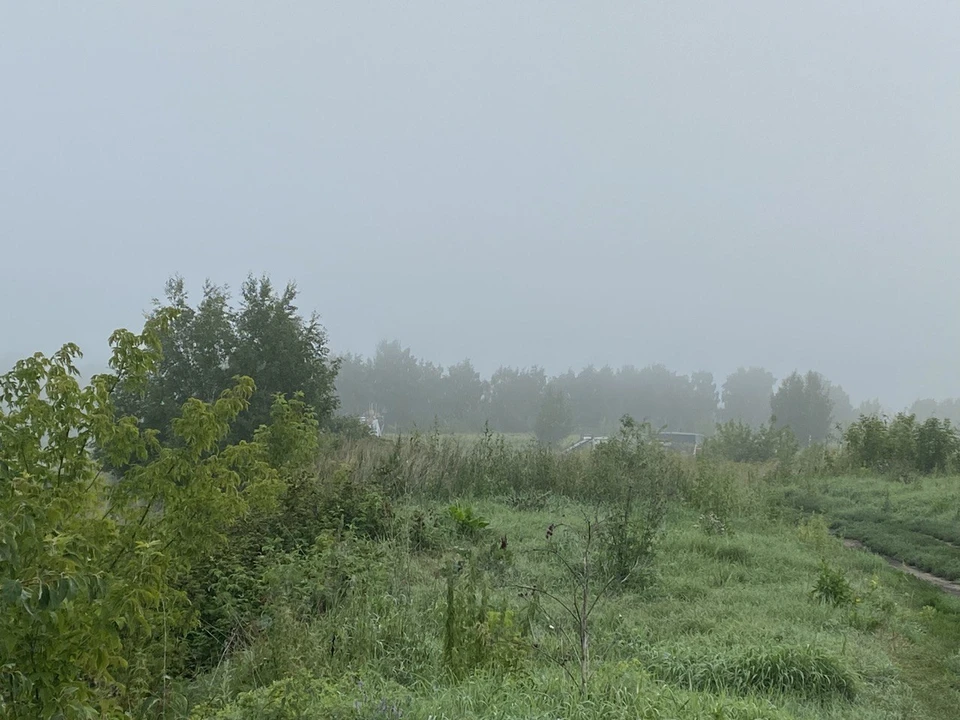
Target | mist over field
(526,184)
(460,360)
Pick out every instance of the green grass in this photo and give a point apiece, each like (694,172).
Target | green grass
(730,629)
(468,440)
(916,522)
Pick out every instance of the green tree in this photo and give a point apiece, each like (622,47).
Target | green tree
(196,345)
(802,403)
(204,347)
(746,396)
(92,615)
(555,418)
(282,351)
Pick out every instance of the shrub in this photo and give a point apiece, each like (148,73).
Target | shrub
(739,442)
(902,445)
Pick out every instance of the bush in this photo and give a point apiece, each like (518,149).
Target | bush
(902,445)
(738,442)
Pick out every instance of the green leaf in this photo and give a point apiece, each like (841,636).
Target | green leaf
(11,591)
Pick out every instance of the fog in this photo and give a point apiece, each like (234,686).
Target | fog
(704,185)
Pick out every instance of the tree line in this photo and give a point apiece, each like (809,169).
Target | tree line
(411,392)
(262,334)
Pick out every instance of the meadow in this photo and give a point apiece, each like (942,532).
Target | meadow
(303,573)
(915,519)
(468,605)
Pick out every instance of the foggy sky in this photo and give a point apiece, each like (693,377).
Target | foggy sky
(700,184)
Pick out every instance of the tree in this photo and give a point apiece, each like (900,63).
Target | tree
(461,397)
(405,388)
(282,351)
(195,346)
(555,419)
(843,412)
(515,397)
(704,401)
(203,348)
(802,403)
(746,396)
(92,616)
(354,384)
(924,408)
(870,408)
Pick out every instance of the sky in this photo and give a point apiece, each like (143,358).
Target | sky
(699,184)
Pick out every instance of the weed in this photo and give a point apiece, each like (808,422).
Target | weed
(467,523)
(832,587)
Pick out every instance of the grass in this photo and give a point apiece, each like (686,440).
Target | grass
(467,440)
(730,629)
(916,522)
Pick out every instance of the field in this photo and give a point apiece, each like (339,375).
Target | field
(512,440)
(438,621)
(917,522)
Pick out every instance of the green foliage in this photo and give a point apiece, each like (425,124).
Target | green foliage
(739,442)
(300,696)
(300,576)
(466,521)
(348,428)
(89,568)
(204,347)
(805,671)
(475,635)
(902,445)
(832,586)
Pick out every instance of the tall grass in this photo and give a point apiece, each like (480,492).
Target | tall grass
(427,612)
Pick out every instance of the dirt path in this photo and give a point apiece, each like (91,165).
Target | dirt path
(947,586)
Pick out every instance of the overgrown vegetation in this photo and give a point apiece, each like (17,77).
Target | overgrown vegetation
(298,573)
(738,442)
(903,444)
